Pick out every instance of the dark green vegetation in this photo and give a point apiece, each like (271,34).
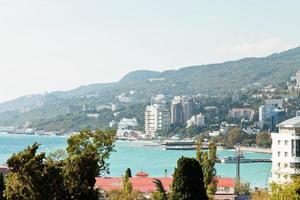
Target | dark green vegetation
(2,186)
(34,176)
(160,193)
(207,160)
(188,183)
(215,79)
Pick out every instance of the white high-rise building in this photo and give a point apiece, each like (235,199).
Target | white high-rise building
(157,117)
(286,151)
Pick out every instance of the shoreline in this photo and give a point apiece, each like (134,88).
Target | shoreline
(256,150)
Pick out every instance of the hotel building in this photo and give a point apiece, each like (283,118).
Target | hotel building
(286,151)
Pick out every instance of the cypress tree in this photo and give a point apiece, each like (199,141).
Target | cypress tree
(2,186)
(188,182)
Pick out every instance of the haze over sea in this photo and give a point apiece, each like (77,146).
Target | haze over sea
(135,155)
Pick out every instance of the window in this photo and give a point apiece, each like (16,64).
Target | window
(278,153)
(278,165)
(297,148)
(286,154)
(278,142)
(286,142)
(295,165)
(285,165)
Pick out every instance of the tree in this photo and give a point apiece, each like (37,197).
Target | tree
(260,195)
(242,188)
(188,181)
(208,160)
(34,177)
(235,136)
(127,186)
(263,139)
(2,186)
(128,172)
(160,193)
(127,192)
(290,191)
(87,152)
(26,179)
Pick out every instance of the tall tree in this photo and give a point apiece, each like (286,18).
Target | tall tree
(128,172)
(235,136)
(263,139)
(2,186)
(26,179)
(188,181)
(160,193)
(87,152)
(207,160)
(60,176)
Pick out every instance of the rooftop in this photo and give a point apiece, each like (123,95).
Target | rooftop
(146,185)
(290,123)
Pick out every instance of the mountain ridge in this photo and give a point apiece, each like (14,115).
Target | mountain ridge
(224,77)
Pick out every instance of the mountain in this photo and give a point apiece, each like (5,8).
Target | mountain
(212,79)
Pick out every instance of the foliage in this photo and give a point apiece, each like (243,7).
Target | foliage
(121,195)
(235,136)
(160,193)
(188,181)
(242,188)
(263,139)
(128,172)
(127,186)
(208,160)
(60,176)
(289,191)
(260,195)
(127,192)
(2,186)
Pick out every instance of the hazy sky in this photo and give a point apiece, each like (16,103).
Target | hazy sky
(48,45)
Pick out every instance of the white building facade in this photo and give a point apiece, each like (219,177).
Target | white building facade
(286,151)
(266,112)
(157,117)
(128,123)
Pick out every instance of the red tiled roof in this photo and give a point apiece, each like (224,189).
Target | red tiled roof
(142,184)
(142,174)
(226,182)
(145,184)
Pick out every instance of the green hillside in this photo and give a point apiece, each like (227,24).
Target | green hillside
(213,79)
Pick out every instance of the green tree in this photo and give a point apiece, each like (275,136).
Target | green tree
(260,195)
(127,186)
(27,177)
(160,193)
(263,139)
(235,136)
(2,186)
(87,152)
(188,182)
(128,172)
(242,188)
(290,191)
(34,177)
(207,160)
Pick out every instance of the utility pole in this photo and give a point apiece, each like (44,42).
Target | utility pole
(238,161)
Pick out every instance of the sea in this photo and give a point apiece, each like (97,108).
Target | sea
(142,156)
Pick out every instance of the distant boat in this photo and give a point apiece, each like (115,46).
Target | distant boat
(182,145)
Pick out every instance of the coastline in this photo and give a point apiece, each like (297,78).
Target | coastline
(256,150)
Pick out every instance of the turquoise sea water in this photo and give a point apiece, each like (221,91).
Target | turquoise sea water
(137,156)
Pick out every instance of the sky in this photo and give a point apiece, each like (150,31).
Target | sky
(51,45)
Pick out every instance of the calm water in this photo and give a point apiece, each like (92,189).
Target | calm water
(135,155)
